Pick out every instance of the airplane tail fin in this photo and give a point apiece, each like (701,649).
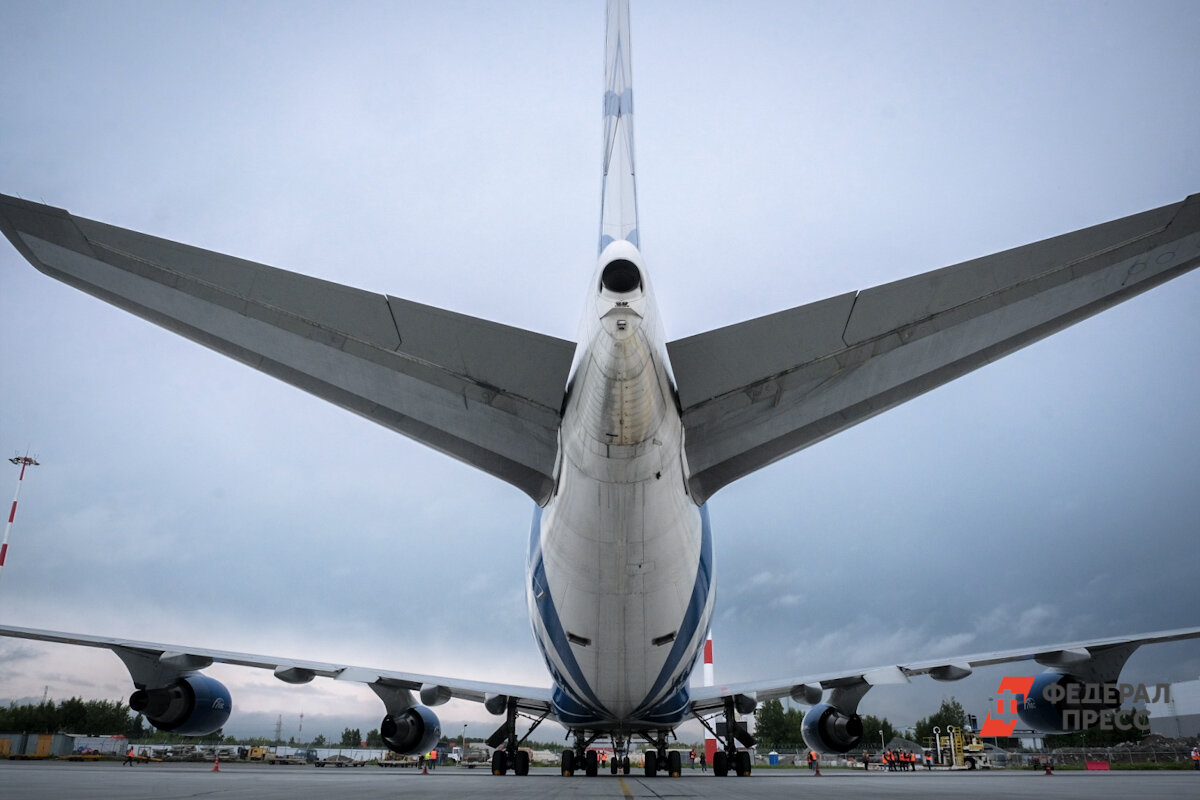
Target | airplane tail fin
(618,201)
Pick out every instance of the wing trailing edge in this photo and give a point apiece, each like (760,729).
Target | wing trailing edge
(807,688)
(289,670)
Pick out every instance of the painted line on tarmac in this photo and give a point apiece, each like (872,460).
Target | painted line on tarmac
(625,789)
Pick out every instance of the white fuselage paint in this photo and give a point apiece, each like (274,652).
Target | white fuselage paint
(621,542)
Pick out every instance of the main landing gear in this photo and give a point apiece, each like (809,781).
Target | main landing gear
(580,757)
(658,758)
(731,759)
(511,756)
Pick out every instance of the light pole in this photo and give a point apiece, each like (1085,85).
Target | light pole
(462,748)
(23,461)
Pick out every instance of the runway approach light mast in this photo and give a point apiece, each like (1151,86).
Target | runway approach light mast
(23,462)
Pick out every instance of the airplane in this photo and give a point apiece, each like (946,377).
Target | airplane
(620,440)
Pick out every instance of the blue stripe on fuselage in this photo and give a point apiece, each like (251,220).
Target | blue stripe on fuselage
(573,699)
(674,705)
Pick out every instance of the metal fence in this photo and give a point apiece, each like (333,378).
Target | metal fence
(1078,756)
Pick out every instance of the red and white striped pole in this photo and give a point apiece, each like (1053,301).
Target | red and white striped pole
(23,461)
(710,744)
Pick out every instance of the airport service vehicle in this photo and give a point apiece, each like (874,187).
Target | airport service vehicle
(394,759)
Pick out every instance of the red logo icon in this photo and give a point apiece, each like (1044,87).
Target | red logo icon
(1012,686)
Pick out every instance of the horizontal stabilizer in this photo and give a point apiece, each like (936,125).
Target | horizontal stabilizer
(484,393)
(755,392)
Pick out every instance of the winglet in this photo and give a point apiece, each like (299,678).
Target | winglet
(618,200)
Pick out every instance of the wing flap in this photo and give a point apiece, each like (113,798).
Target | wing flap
(481,392)
(760,390)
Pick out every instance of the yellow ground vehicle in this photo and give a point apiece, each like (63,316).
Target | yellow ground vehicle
(958,748)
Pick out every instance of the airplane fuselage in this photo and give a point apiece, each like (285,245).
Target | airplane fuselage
(620,559)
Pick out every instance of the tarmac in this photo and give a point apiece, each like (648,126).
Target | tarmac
(23,780)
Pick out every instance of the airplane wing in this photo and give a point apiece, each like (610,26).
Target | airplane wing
(481,392)
(807,689)
(141,657)
(757,391)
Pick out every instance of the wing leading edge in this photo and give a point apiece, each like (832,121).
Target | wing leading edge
(757,391)
(484,393)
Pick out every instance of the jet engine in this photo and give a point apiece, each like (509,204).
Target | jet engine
(414,730)
(194,705)
(828,729)
(1054,693)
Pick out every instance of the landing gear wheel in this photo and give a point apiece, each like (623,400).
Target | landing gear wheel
(720,763)
(612,764)
(741,763)
(591,764)
(521,767)
(625,765)
(651,763)
(499,762)
(674,764)
(568,763)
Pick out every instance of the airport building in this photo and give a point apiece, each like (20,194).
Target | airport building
(1180,716)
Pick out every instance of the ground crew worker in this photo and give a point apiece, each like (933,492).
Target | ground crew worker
(812,760)
(928,760)
(866,760)
(129,757)
(1196,757)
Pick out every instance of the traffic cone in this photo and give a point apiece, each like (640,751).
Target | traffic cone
(817,771)
(216,763)
(1049,767)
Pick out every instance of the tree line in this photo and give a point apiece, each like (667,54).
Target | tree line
(76,715)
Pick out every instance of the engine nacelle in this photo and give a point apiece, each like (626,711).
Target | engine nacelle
(194,705)
(1054,693)
(411,732)
(827,729)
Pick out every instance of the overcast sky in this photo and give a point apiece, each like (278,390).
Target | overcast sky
(449,153)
